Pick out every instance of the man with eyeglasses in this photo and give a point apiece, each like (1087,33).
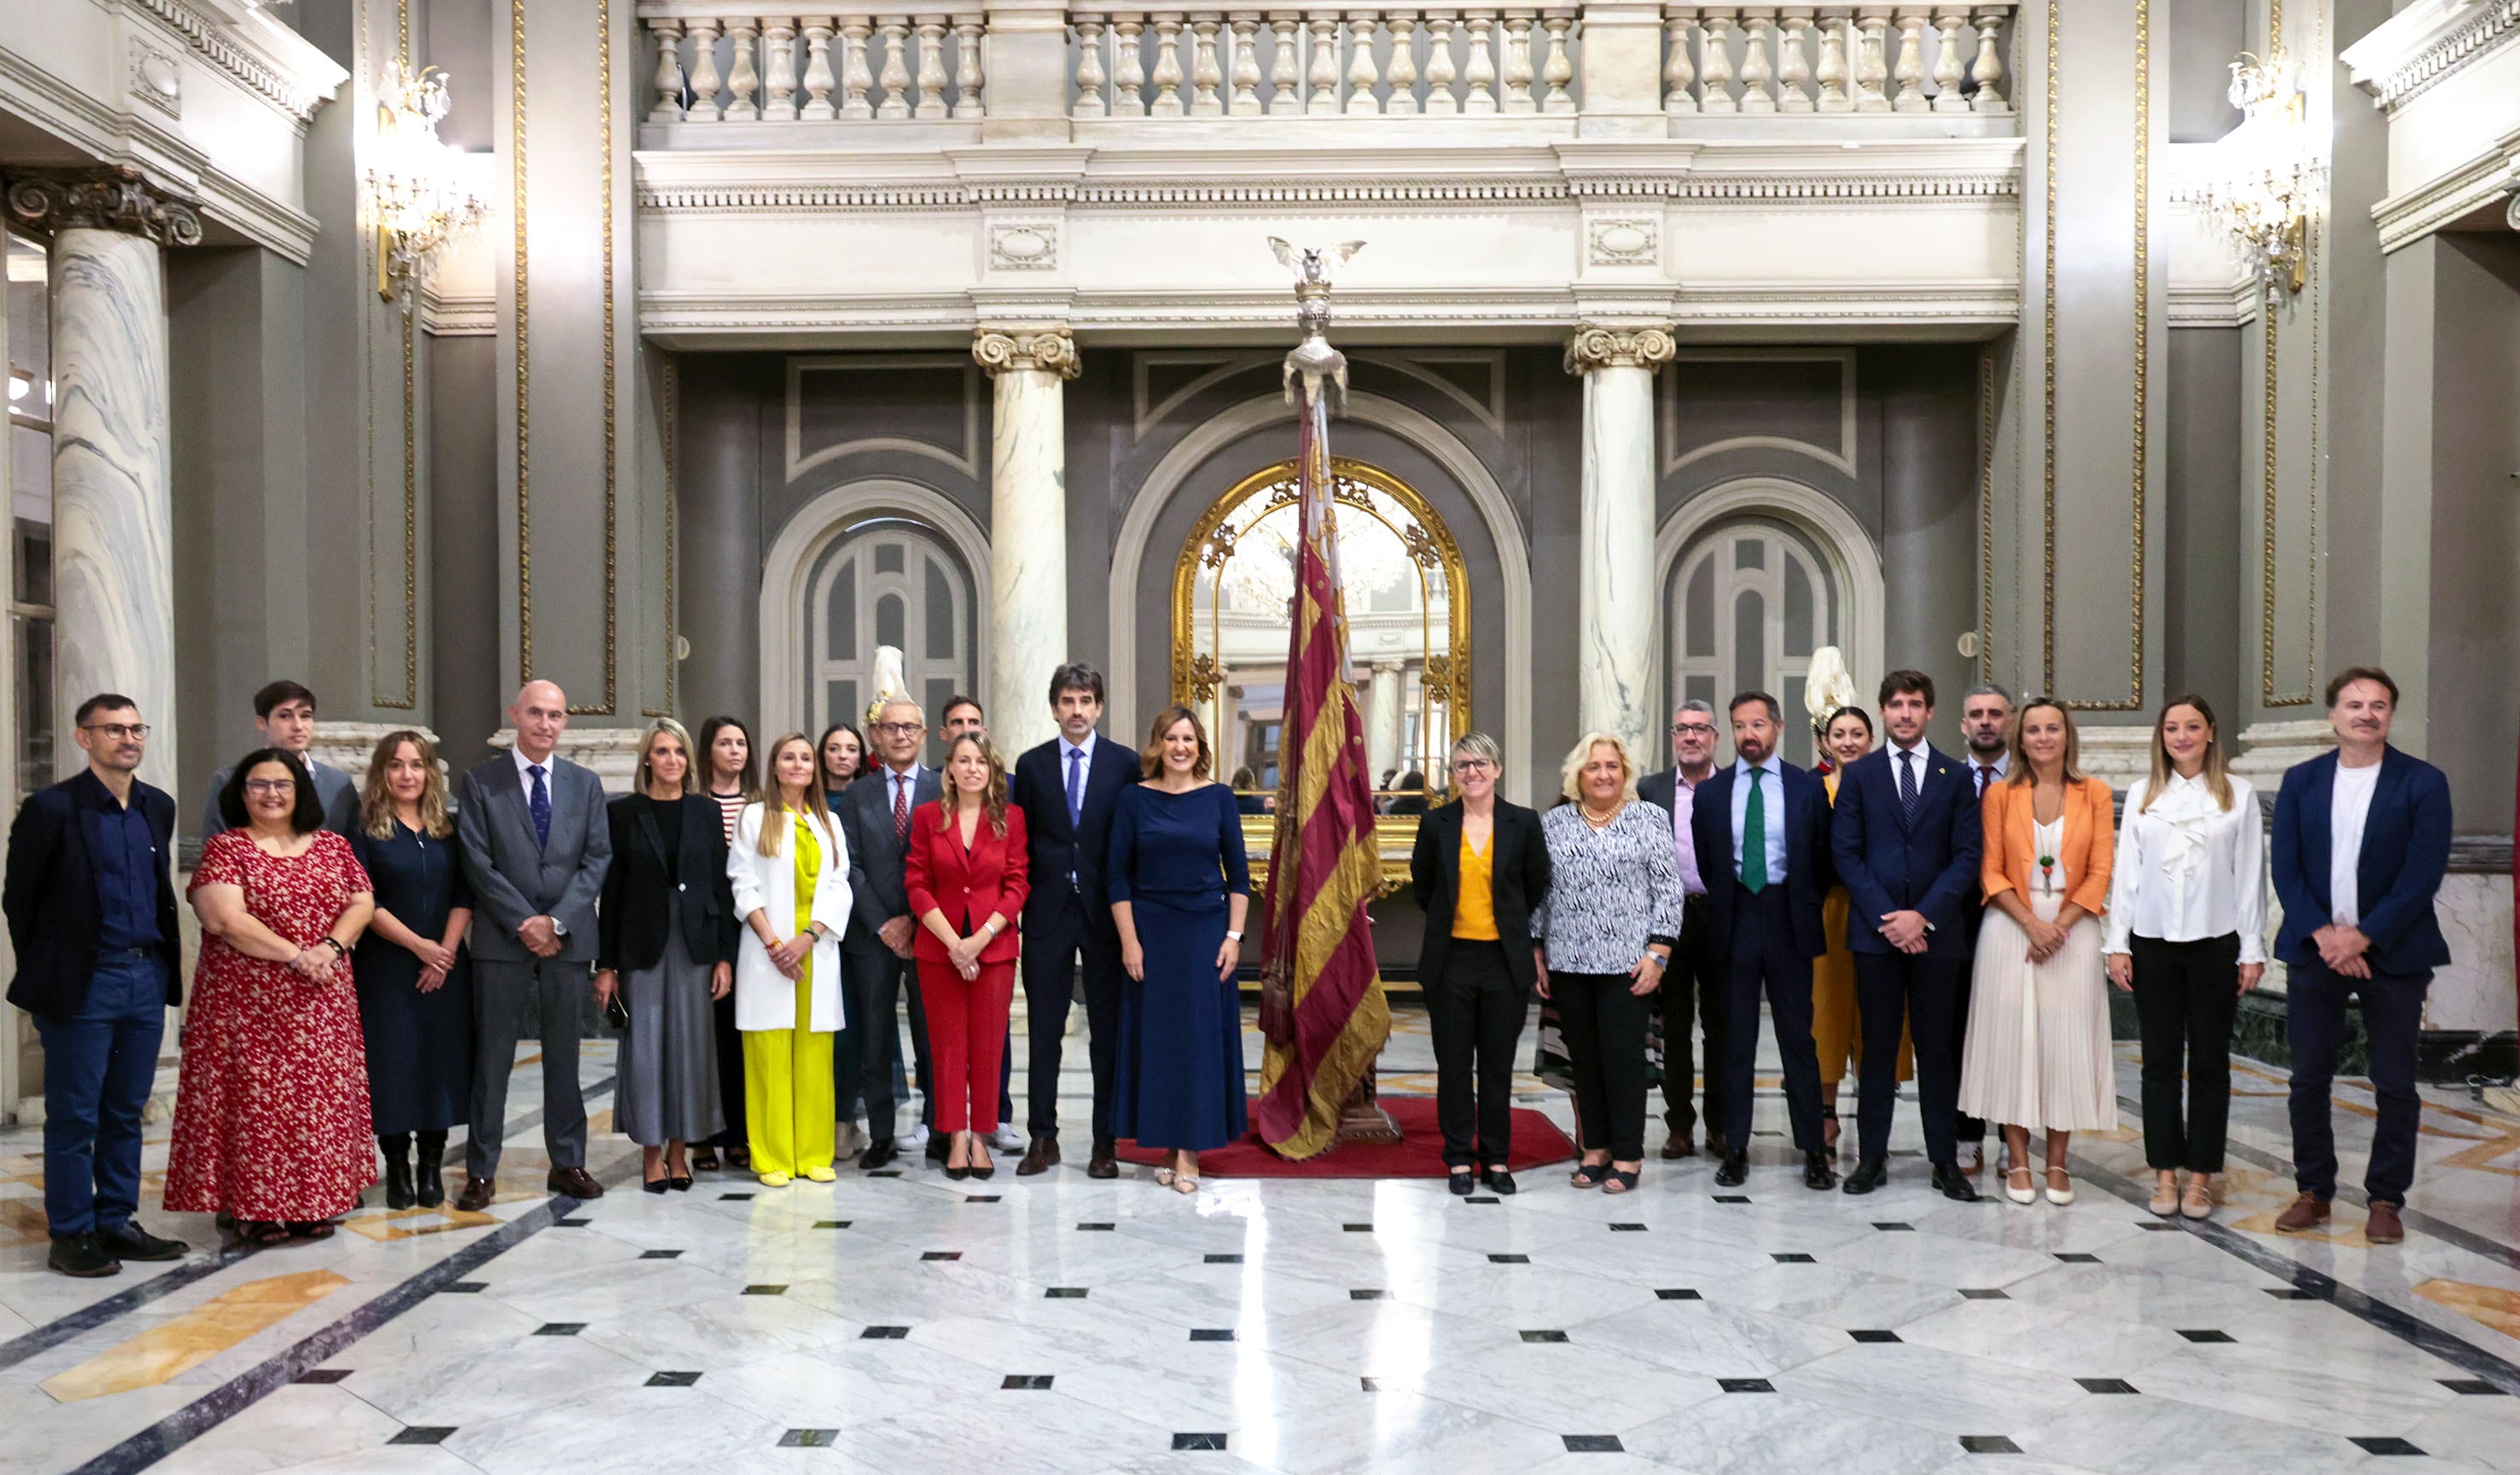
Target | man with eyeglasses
(90,898)
(876,812)
(284,713)
(1692,992)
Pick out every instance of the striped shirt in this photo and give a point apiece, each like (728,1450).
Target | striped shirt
(730,807)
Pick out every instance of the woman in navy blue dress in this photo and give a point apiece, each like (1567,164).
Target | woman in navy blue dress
(1179,888)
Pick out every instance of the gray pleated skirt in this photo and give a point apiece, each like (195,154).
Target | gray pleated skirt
(668,1062)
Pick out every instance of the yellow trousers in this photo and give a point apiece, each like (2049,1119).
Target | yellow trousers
(789,1113)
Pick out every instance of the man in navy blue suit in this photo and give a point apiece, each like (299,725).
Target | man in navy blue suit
(2362,841)
(1068,788)
(1905,841)
(1761,833)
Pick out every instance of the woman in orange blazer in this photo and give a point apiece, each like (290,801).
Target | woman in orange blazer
(966,872)
(2038,1050)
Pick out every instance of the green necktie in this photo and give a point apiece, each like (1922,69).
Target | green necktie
(1754,838)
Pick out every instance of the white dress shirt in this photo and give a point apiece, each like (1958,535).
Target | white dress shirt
(525,780)
(2187,868)
(1771,794)
(2348,812)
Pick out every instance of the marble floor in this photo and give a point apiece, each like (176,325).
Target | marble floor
(907,1324)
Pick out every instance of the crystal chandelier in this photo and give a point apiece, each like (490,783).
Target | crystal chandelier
(2266,176)
(415,187)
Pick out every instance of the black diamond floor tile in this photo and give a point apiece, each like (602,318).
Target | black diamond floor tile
(673,1380)
(2077,1257)
(1594,1443)
(1989,1443)
(660,1254)
(560,1328)
(2385,1444)
(1984,1293)
(462,1287)
(1679,1293)
(1211,1335)
(1371,1384)
(2204,1334)
(1198,1441)
(1095,1227)
(323,1375)
(1732,1198)
(1892,1225)
(2105,1385)
(885,1173)
(421,1434)
(942,1255)
(1628,1228)
(1873,1334)
(568,1224)
(1358,1228)
(2291,1293)
(1064,1293)
(765,1290)
(725,1197)
(883,1334)
(1222,1259)
(2473,1387)
(807,1439)
(1543,1336)
(1482,1198)
(1364,1295)
(1508,1260)
(1027,1382)
(1791,1257)
(1746,1385)
(984,1198)
(830,1224)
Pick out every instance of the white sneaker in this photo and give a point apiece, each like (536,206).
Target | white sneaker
(918,1135)
(1006,1140)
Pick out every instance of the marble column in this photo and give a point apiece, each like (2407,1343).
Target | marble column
(1027,528)
(1614,653)
(1384,719)
(113,538)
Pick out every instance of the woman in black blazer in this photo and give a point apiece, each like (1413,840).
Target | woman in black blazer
(666,942)
(1479,868)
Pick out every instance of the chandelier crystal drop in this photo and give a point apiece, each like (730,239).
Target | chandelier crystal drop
(2267,174)
(416,191)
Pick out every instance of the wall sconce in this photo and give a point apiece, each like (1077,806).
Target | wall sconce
(414,188)
(2266,176)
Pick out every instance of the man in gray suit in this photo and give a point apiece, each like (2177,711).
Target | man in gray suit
(535,843)
(875,813)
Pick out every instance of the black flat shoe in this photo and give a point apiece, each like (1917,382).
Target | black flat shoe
(877,1156)
(1955,1185)
(1733,1170)
(1866,1177)
(1499,1182)
(1820,1170)
(1464,1181)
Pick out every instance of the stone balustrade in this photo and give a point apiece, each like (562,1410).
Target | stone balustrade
(1366,62)
(1835,59)
(713,67)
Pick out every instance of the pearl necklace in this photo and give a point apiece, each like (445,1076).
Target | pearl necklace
(1599,821)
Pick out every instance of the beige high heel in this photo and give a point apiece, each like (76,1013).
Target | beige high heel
(2199,1201)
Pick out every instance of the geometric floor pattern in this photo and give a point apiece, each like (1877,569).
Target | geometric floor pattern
(910,1324)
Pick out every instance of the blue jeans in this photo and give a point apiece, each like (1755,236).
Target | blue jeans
(97,1069)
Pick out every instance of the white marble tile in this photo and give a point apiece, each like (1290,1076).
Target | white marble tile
(293,1425)
(1765,1433)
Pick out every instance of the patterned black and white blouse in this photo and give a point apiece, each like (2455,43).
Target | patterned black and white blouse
(1611,891)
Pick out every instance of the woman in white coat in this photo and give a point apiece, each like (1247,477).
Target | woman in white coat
(789,870)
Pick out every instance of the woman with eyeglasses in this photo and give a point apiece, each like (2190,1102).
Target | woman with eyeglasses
(272,1126)
(1479,868)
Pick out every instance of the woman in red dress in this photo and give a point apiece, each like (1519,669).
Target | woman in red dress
(271,1112)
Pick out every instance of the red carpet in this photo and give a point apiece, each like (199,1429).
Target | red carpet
(1419,1152)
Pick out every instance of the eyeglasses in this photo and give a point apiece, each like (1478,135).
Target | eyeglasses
(1692,730)
(1472,765)
(900,729)
(119,730)
(271,785)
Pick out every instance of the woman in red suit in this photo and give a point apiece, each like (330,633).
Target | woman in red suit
(965,874)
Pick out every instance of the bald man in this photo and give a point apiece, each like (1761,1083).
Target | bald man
(535,845)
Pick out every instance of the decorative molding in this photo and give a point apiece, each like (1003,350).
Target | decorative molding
(612,371)
(517,207)
(212,39)
(1049,350)
(1224,366)
(457,317)
(108,197)
(2407,218)
(1029,245)
(1490,411)
(155,78)
(798,461)
(2425,44)
(611,752)
(1600,347)
(1623,241)
(1841,460)
(767,197)
(349,746)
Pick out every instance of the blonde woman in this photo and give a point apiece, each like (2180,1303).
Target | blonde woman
(968,872)
(2186,936)
(414,977)
(1606,929)
(788,869)
(2037,1053)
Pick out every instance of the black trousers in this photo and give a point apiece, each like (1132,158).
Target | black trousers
(1056,959)
(730,1072)
(878,980)
(1604,1029)
(1694,987)
(1930,996)
(2185,993)
(1477,1010)
(1764,956)
(2392,1013)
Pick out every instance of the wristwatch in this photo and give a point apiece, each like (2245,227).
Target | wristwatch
(1233,937)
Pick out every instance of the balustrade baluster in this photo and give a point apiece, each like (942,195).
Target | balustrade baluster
(778,68)
(704,77)
(1090,76)
(857,72)
(1440,70)
(1757,22)
(1988,70)
(1910,73)
(818,71)
(1285,79)
(1872,66)
(669,71)
(1557,69)
(1517,62)
(1950,69)
(970,79)
(1362,74)
(742,79)
(1793,60)
(1128,76)
(1480,77)
(1245,69)
(1678,21)
(1715,63)
(932,67)
(895,76)
(1402,74)
(1320,78)
(1167,75)
(1831,71)
(1207,73)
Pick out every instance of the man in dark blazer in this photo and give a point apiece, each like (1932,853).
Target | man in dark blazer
(1068,788)
(1693,988)
(90,899)
(1907,845)
(875,814)
(2362,841)
(1762,830)
(536,844)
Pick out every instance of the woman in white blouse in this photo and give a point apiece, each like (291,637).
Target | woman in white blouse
(2186,934)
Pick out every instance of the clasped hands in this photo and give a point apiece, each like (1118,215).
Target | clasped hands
(540,935)
(315,964)
(2341,948)
(436,961)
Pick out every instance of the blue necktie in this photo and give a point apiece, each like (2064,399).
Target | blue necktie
(1075,788)
(1906,788)
(539,801)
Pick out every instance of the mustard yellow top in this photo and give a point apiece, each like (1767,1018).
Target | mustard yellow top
(1474,909)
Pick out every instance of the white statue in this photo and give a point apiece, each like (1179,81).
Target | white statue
(1830,687)
(890,684)
(1314,360)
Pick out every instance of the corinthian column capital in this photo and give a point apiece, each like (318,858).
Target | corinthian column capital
(1052,351)
(1598,348)
(108,197)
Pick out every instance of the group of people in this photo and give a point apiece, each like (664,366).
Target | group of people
(370,949)
(1957,918)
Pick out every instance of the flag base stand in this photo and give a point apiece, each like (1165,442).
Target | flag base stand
(1363,1119)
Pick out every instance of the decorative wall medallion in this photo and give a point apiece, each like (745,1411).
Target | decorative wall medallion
(1023,248)
(1624,240)
(155,79)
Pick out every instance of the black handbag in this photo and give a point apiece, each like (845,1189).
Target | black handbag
(616,1011)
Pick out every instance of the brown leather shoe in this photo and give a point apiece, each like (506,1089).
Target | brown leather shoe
(1105,1163)
(2384,1226)
(1040,1157)
(1679,1145)
(477,1193)
(576,1182)
(2307,1212)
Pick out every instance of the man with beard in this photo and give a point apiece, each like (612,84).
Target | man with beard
(1986,725)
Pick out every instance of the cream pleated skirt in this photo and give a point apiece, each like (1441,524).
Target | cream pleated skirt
(2038,1051)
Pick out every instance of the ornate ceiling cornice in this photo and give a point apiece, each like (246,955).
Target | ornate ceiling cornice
(210,38)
